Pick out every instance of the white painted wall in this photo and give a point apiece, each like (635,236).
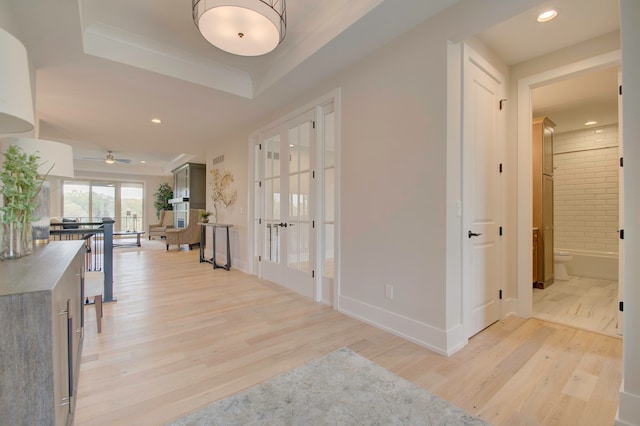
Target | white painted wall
(629,409)
(394,170)
(235,161)
(7,19)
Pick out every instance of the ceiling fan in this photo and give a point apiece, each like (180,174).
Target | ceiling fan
(109,159)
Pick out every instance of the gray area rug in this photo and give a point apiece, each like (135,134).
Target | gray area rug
(341,388)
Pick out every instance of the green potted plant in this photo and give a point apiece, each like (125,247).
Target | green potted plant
(21,184)
(204,216)
(161,198)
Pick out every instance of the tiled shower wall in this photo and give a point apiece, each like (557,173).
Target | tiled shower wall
(586,189)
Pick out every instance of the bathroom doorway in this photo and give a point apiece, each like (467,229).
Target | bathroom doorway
(585,201)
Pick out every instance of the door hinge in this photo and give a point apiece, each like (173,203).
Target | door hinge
(621,232)
(259,184)
(621,161)
(501,294)
(621,306)
(259,221)
(313,274)
(259,258)
(260,146)
(313,123)
(501,231)
(313,174)
(500,167)
(620,90)
(502,101)
(313,223)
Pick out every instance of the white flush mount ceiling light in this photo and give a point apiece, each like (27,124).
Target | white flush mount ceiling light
(156,121)
(547,15)
(242,27)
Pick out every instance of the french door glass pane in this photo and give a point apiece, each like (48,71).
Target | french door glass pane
(273,243)
(294,193)
(294,150)
(272,161)
(329,195)
(299,187)
(303,195)
(256,215)
(272,199)
(298,247)
(257,158)
(293,237)
(329,140)
(304,145)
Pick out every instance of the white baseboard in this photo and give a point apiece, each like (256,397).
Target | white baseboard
(432,338)
(221,259)
(240,265)
(628,410)
(509,307)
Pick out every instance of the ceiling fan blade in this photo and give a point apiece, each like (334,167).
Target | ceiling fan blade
(108,157)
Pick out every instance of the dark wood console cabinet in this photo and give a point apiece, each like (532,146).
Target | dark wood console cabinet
(189,192)
(41,327)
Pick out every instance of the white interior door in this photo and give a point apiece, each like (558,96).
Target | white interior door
(288,226)
(482,195)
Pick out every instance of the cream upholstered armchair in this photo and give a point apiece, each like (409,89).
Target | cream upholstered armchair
(166,222)
(189,235)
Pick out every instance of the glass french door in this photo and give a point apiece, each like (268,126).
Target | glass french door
(287,225)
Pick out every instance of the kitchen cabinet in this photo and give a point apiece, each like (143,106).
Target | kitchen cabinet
(41,330)
(189,192)
(542,170)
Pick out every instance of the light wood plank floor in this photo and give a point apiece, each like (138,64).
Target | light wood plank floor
(587,303)
(183,335)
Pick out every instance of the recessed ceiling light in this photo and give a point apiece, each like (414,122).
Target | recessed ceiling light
(143,162)
(590,123)
(156,121)
(547,15)
(292,146)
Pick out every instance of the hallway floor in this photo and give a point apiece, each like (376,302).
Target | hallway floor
(586,303)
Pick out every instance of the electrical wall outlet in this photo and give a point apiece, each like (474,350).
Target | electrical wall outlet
(388,291)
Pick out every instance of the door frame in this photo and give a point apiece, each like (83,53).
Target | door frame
(525,180)
(254,138)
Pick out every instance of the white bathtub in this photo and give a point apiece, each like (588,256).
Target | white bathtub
(593,264)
